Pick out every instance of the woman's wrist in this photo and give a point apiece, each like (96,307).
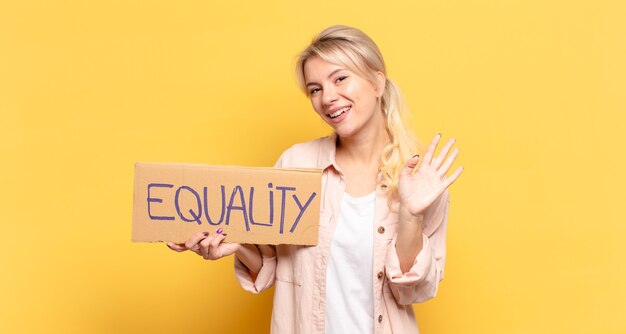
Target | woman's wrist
(409,241)
(250,257)
(406,217)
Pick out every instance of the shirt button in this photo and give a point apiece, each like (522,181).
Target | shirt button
(380,318)
(380,275)
(381,229)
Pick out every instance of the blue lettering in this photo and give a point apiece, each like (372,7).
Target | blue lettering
(269,185)
(206,206)
(283,190)
(242,207)
(157,200)
(302,209)
(250,210)
(196,216)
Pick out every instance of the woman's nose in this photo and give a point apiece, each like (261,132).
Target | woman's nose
(329,95)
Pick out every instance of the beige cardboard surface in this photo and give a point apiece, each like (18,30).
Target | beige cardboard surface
(274,206)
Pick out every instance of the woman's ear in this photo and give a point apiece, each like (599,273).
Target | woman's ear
(381,81)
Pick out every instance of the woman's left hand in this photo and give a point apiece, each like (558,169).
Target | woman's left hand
(423,180)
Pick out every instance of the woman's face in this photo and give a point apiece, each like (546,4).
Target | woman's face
(343,99)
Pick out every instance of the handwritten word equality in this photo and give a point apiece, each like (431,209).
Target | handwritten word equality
(199,212)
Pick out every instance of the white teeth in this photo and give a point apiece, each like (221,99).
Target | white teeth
(339,112)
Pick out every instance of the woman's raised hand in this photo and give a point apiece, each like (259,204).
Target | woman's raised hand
(207,245)
(423,180)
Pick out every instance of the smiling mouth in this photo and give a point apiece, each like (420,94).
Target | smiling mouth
(339,112)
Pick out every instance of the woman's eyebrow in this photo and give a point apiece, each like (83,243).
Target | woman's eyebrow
(330,75)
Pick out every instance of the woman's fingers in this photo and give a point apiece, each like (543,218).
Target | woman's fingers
(176,247)
(443,154)
(211,241)
(443,170)
(430,152)
(192,243)
(204,246)
(412,165)
(214,251)
(209,246)
(228,248)
(448,181)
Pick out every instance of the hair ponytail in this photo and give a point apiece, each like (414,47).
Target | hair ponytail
(403,144)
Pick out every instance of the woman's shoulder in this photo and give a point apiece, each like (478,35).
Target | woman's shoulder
(306,154)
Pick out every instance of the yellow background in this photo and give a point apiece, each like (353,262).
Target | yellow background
(535,92)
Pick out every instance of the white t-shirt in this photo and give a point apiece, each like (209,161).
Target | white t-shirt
(349,292)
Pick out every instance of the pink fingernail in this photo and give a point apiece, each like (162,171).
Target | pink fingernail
(219,231)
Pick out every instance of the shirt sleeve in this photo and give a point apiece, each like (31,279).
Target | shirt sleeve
(264,279)
(421,282)
(266,276)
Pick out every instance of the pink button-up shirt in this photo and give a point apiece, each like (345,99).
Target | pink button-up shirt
(299,272)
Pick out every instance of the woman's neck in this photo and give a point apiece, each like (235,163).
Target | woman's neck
(364,148)
(358,157)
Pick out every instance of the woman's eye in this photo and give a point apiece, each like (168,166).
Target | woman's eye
(342,78)
(314,90)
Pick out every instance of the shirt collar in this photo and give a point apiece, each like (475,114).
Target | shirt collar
(327,157)
(328,150)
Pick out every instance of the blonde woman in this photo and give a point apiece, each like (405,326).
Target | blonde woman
(384,208)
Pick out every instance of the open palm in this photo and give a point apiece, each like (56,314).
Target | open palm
(422,181)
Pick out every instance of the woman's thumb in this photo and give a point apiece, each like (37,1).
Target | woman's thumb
(411,163)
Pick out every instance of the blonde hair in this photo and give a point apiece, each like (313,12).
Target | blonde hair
(353,49)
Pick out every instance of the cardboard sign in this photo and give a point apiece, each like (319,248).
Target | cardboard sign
(252,205)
